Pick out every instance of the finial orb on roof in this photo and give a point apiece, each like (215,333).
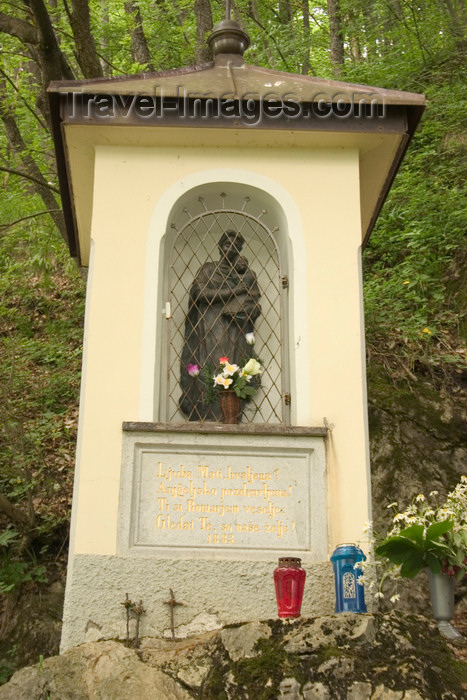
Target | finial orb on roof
(228,37)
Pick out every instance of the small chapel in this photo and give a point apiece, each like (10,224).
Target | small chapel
(221,212)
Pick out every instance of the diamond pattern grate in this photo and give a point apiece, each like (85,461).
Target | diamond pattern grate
(194,261)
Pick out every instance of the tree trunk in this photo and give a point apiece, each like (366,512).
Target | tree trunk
(84,41)
(458,16)
(53,63)
(139,45)
(203,27)
(20,149)
(337,41)
(285,11)
(47,53)
(253,12)
(306,63)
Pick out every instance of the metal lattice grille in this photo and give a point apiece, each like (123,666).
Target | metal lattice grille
(193,264)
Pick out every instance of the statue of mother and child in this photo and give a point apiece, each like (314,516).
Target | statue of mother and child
(222,309)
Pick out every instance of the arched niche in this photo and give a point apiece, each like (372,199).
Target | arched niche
(194,226)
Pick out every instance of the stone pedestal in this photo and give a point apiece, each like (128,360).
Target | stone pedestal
(206,515)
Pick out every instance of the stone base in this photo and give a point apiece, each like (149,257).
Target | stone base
(213,593)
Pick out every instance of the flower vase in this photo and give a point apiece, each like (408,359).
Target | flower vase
(231,406)
(442,602)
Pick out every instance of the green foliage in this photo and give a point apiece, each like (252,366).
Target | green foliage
(414,303)
(427,534)
(8,664)
(416,548)
(41,308)
(14,572)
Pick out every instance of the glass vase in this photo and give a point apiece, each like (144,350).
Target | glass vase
(289,581)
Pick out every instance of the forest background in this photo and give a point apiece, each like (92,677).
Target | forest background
(415,279)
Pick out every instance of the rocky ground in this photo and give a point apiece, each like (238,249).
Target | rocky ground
(346,656)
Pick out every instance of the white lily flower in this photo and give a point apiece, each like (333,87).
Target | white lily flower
(222,381)
(229,370)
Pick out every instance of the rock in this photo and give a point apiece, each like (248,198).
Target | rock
(382,693)
(289,689)
(31,625)
(240,641)
(330,630)
(194,675)
(338,666)
(335,657)
(359,691)
(316,691)
(364,629)
(100,670)
(26,684)
(187,660)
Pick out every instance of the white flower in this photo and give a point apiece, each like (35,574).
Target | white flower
(367,526)
(420,498)
(444,512)
(252,367)
(229,370)
(392,505)
(433,493)
(379,595)
(222,381)
(358,565)
(250,338)
(398,517)
(394,598)
(464,479)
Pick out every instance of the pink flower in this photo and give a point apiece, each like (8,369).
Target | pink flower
(224,360)
(193,370)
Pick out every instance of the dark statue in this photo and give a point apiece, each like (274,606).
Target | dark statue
(222,308)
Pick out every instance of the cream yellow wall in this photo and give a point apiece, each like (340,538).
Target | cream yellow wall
(129,183)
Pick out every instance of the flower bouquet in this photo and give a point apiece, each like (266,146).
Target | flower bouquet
(426,535)
(231,384)
(228,376)
(429,535)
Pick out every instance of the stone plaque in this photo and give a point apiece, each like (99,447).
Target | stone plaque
(231,493)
